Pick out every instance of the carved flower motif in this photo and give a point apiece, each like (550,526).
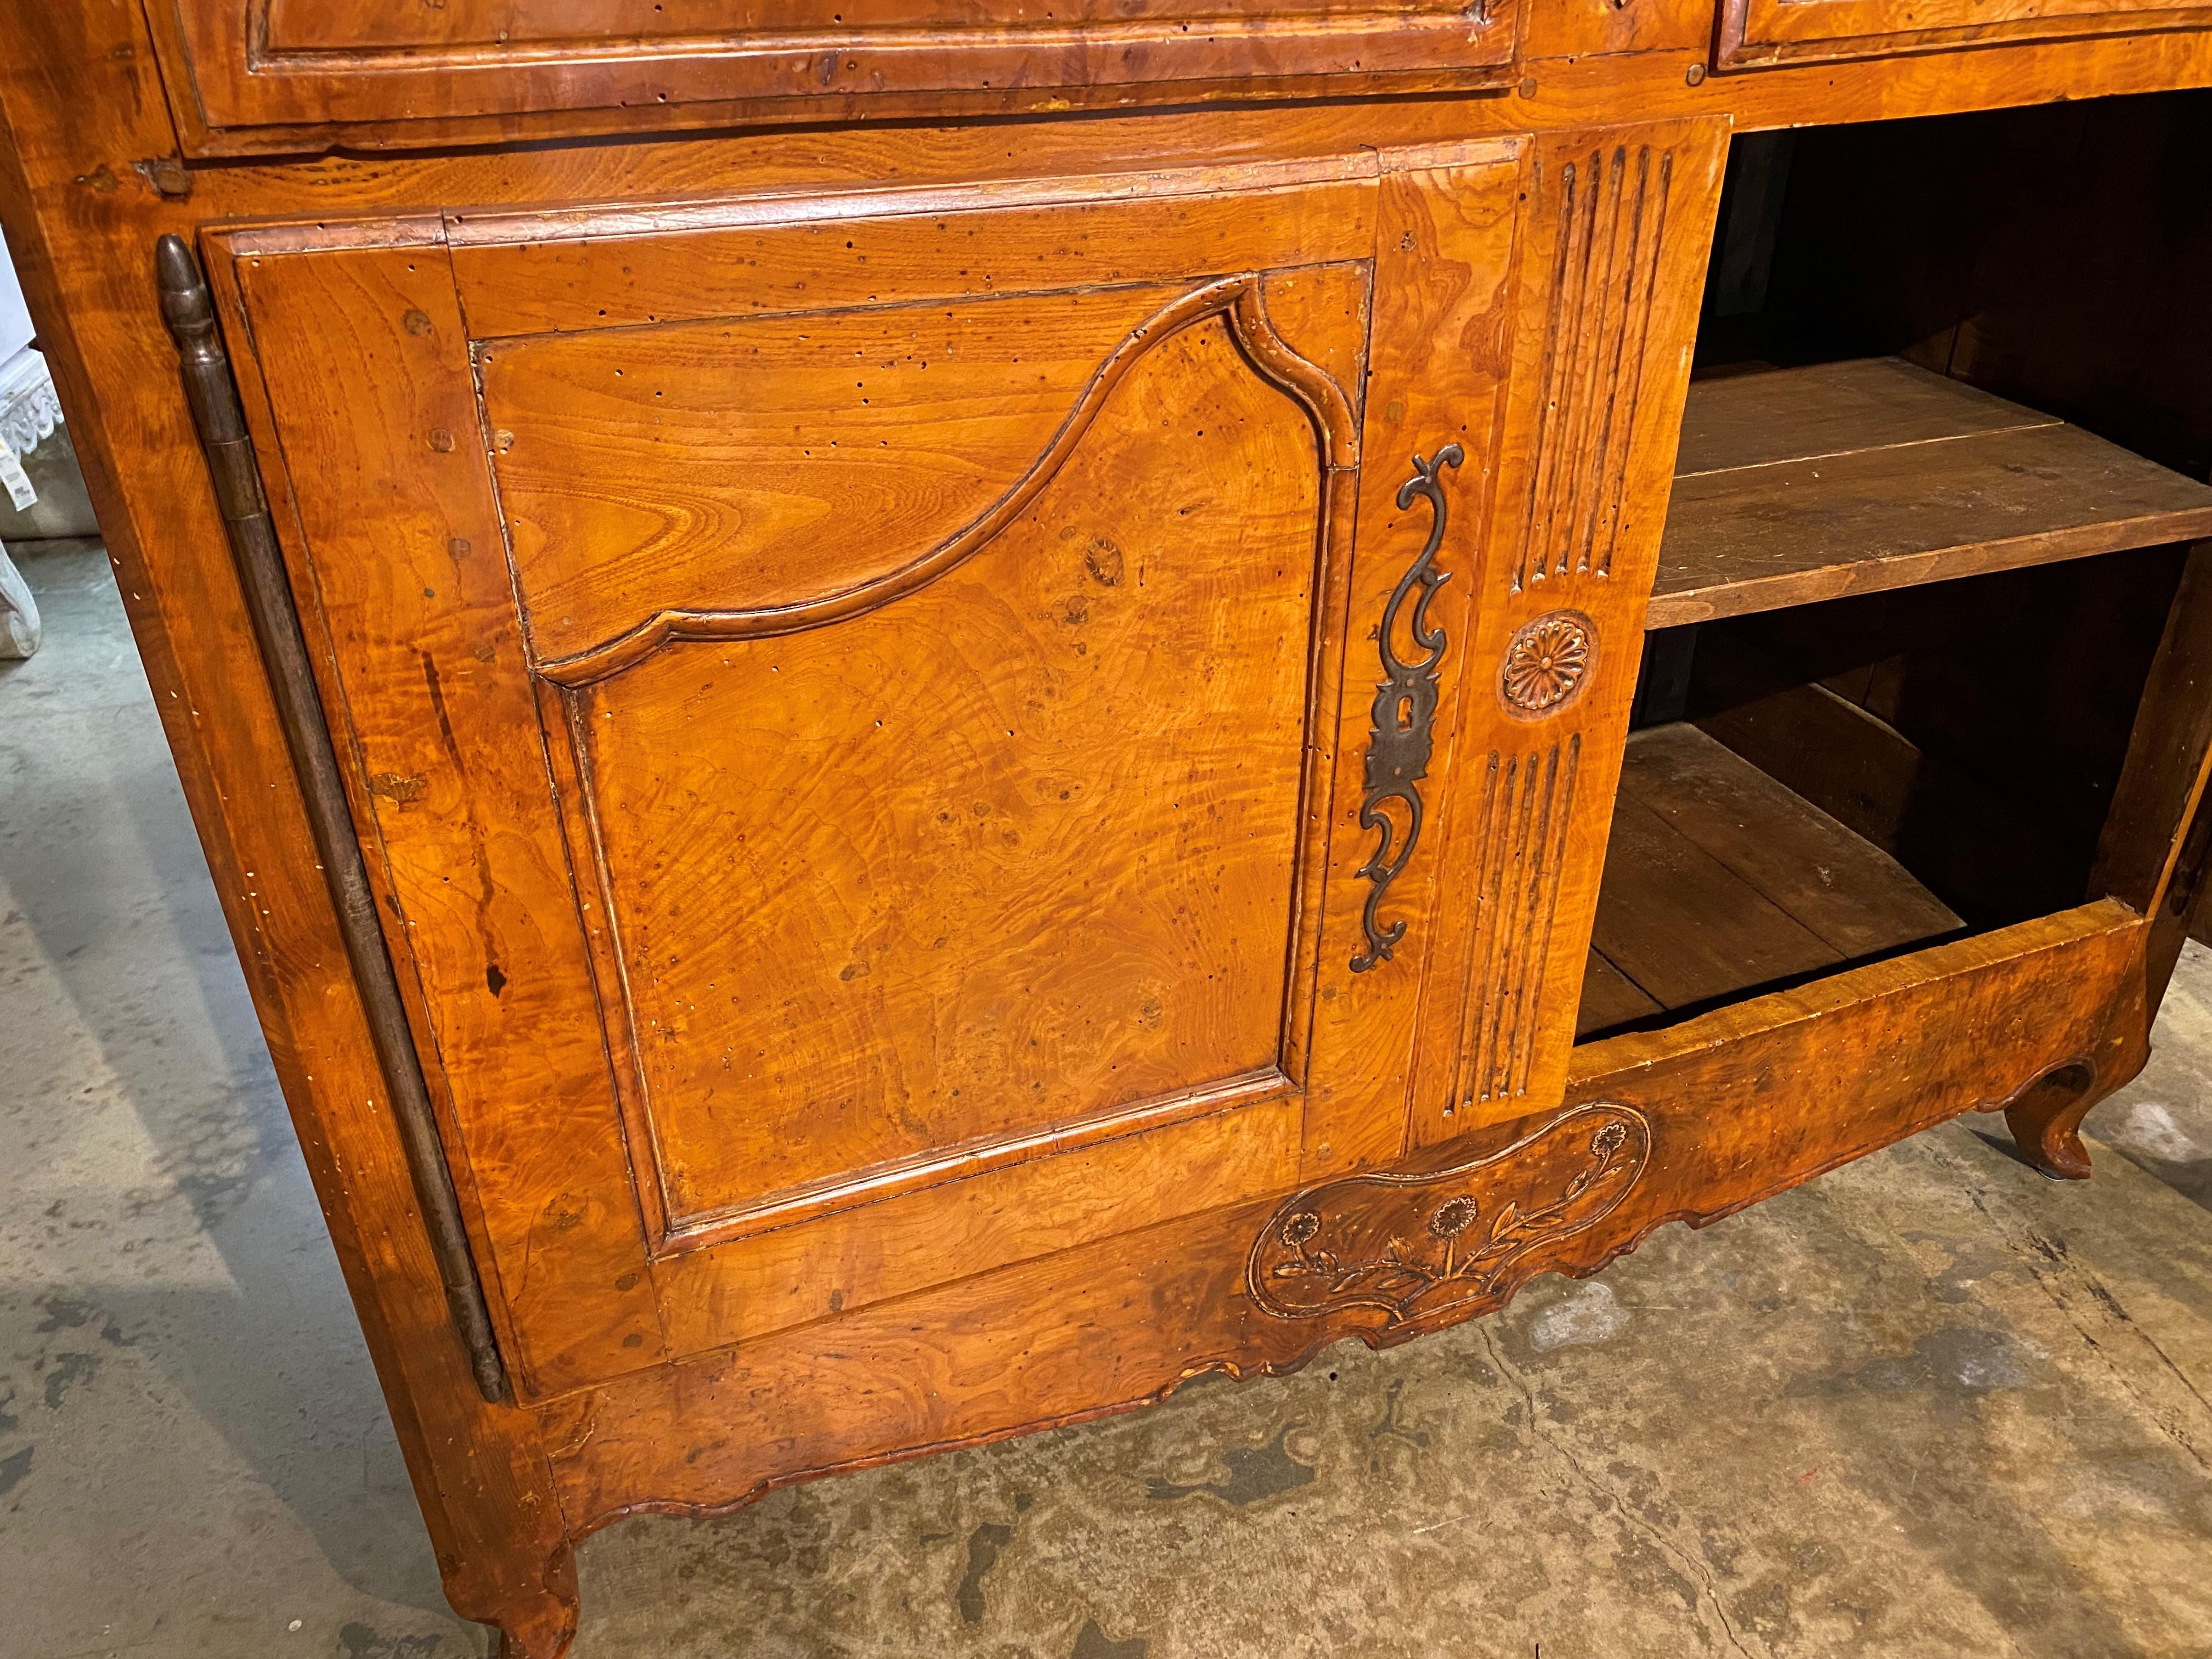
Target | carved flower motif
(1545,662)
(1454,1216)
(1300,1228)
(1606,1141)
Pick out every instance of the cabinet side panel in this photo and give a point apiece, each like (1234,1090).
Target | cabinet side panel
(79,90)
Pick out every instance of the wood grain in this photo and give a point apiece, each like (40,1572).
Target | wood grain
(1856,898)
(1686,928)
(1094,730)
(90,175)
(1070,729)
(748,1286)
(1440,328)
(1610,999)
(2151,851)
(2169,751)
(1758,31)
(542,271)
(1827,1073)
(1798,485)
(820,453)
(1975,730)
(424,667)
(1619,222)
(1718,879)
(278,62)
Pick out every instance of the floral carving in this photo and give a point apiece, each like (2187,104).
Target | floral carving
(1546,661)
(1414,1245)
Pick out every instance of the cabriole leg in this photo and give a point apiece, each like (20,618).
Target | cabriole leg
(2046,1121)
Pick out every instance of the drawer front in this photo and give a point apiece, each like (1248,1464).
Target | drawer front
(636,63)
(1756,33)
(867,716)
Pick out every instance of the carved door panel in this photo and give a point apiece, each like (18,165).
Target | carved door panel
(242,64)
(851,700)
(1757,33)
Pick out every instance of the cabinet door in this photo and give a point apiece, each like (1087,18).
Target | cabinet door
(850,698)
(1758,31)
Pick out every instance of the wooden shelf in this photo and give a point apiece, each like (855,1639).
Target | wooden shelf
(1799,485)
(1719,880)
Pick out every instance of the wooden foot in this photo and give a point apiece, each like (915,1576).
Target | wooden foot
(2045,1120)
(539,1622)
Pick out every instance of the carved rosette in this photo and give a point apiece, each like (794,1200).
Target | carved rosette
(1546,662)
(1418,1245)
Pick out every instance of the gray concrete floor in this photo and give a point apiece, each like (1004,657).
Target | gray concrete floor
(1930,1404)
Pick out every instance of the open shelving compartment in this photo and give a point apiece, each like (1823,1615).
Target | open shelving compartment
(1942,465)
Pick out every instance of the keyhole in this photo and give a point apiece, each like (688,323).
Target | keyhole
(1405,714)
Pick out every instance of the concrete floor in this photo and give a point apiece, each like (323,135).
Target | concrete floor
(1931,1405)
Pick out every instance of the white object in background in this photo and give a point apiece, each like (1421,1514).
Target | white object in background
(28,411)
(19,614)
(15,316)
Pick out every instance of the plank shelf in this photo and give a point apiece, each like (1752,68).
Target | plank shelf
(1719,881)
(1793,485)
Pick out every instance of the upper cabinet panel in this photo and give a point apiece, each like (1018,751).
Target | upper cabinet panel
(412,72)
(1756,33)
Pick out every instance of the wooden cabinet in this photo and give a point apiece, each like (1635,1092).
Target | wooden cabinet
(888,784)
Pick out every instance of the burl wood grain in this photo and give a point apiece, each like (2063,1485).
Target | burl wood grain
(1599,63)
(831,801)
(396,554)
(247,63)
(527,268)
(88,91)
(1617,224)
(1438,366)
(750,464)
(1012,853)
(1686,1124)
(1760,32)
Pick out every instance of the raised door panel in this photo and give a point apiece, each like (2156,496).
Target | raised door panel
(1003,850)
(1754,33)
(260,63)
(869,792)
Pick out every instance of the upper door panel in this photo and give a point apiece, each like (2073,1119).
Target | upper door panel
(402,70)
(1755,33)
